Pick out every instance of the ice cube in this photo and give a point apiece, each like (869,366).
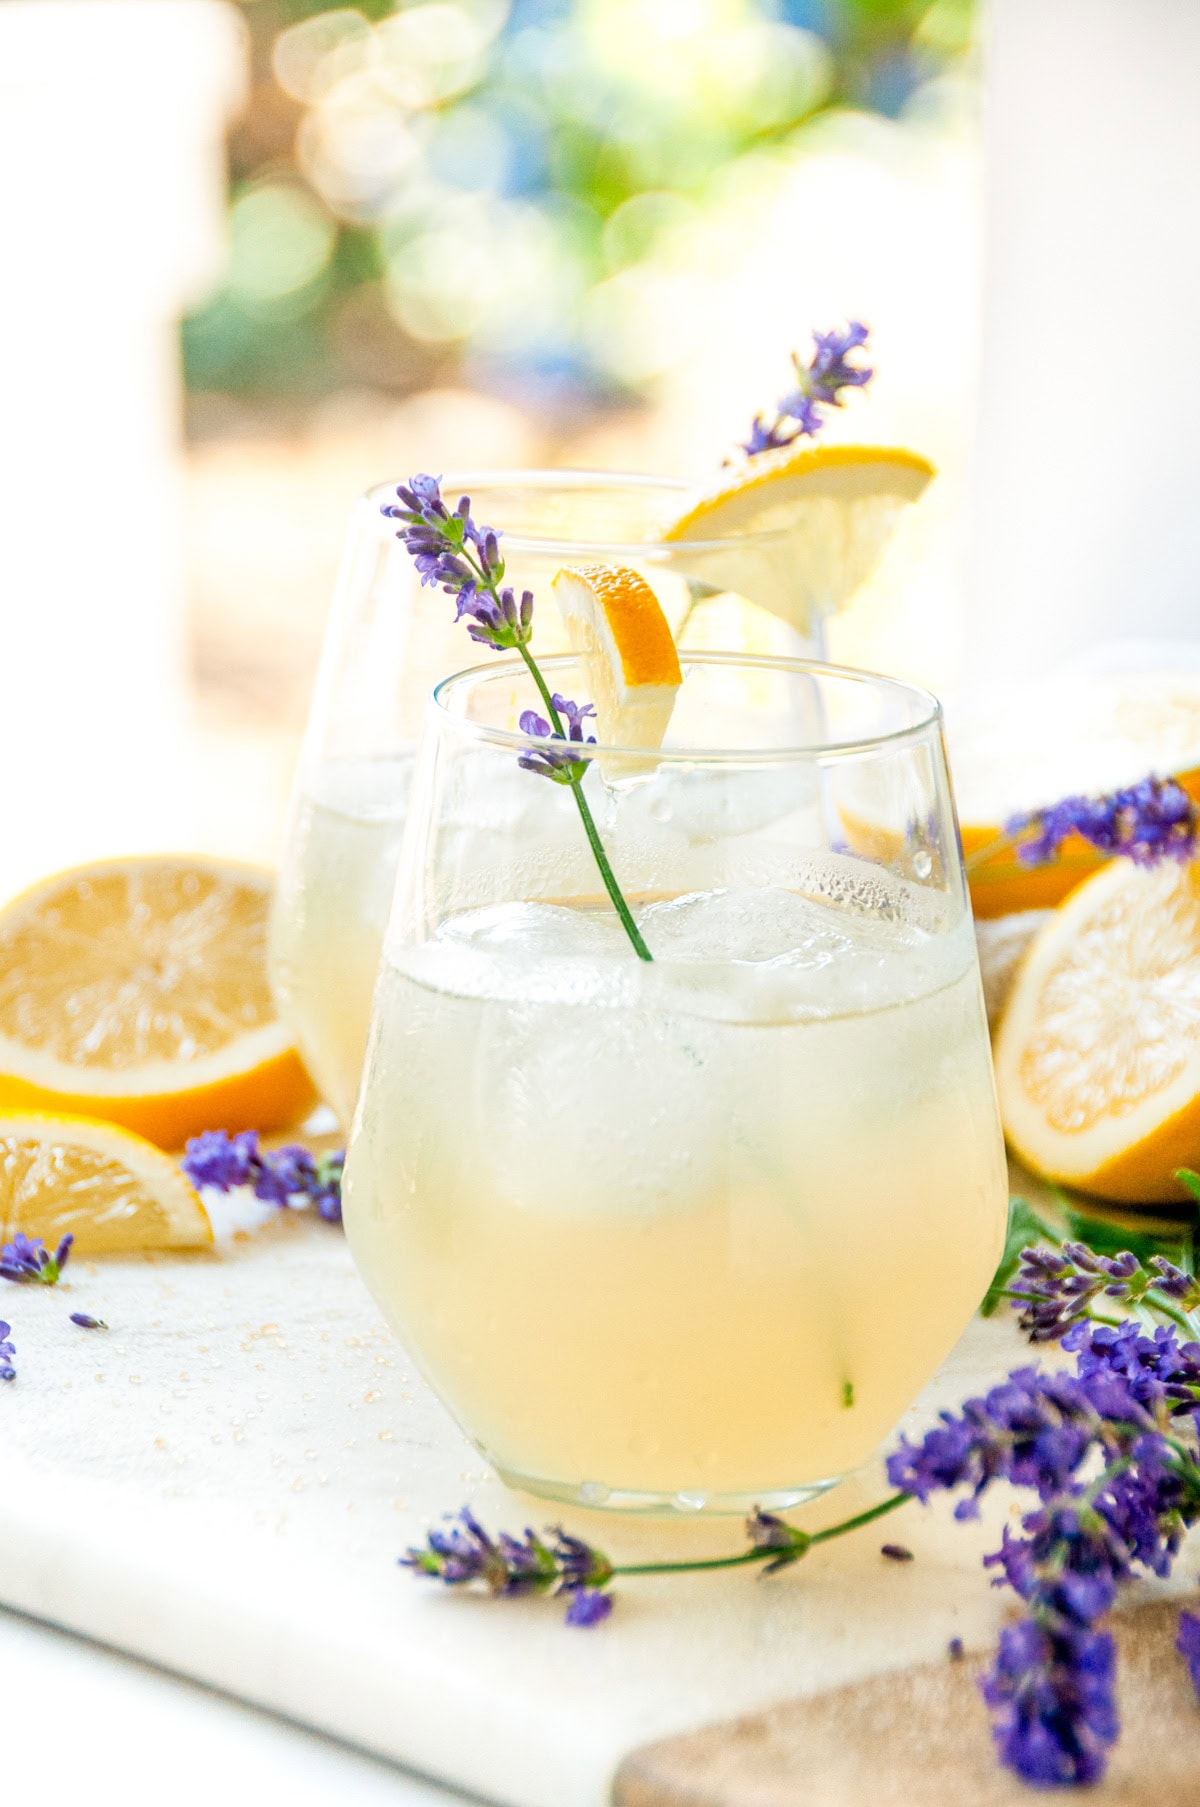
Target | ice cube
(607,1112)
(539,931)
(763,925)
(708,804)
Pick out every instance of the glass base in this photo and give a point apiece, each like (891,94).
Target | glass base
(599,1498)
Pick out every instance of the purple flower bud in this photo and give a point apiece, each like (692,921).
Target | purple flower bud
(1188,1645)
(561,767)
(588,1606)
(219,1160)
(26,1259)
(896,1552)
(1051,1694)
(767,1531)
(87,1323)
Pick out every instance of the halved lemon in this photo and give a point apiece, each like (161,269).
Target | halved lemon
(617,629)
(835,507)
(1098,1054)
(1066,736)
(136,991)
(111,1189)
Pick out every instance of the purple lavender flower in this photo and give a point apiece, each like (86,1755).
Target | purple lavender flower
(449,549)
(587,1606)
(7,1351)
(1033,1429)
(26,1259)
(1055,1289)
(558,766)
(325,1188)
(1159,1371)
(767,1531)
(508,1565)
(1188,1645)
(86,1322)
(1147,823)
(819,384)
(222,1161)
(290,1176)
(1051,1696)
(896,1552)
(1116,1490)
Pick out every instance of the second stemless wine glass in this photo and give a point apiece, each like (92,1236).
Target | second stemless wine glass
(387,644)
(688,1232)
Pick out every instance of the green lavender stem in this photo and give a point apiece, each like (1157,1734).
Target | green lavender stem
(585,815)
(803,1545)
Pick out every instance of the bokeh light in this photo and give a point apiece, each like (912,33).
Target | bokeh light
(508,182)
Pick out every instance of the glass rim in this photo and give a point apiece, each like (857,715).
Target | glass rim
(569,478)
(514,741)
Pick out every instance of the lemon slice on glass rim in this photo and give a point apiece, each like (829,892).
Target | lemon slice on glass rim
(618,631)
(803,526)
(136,991)
(112,1190)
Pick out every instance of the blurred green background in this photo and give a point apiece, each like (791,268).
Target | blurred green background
(493,191)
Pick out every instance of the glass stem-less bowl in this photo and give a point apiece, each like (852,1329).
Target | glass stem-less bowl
(690,1233)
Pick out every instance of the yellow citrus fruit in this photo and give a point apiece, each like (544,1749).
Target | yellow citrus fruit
(113,1190)
(833,508)
(618,630)
(1063,737)
(1098,1054)
(136,991)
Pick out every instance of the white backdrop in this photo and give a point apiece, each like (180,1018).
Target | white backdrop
(1087,480)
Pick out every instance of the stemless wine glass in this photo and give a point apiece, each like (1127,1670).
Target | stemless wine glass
(690,1232)
(388,642)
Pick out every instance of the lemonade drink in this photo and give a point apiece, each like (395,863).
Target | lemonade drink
(696,1231)
(331,910)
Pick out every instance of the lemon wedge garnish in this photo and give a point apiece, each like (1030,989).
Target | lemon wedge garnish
(835,508)
(1098,1054)
(618,631)
(111,1189)
(136,991)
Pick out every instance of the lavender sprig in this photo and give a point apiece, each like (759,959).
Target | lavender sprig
(450,550)
(291,1176)
(7,1351)
(562,1564)
(26,1259)
(1055,1289)
(1051,1687)
(819,384)
(508,1565)
(1149,822)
